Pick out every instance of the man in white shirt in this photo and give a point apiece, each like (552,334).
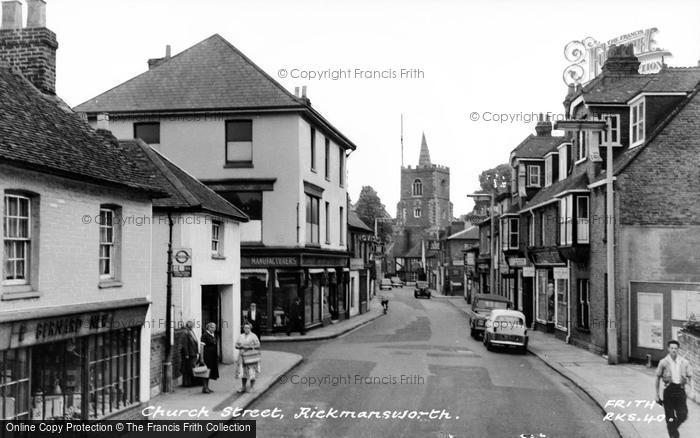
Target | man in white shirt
(675,372)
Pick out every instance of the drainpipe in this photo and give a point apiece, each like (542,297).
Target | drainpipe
(168,364)
(298,223)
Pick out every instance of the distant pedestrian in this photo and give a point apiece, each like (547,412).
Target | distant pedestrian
(249,358)
(675,372)
(253,318)
(190,354)
(296,318)
(210,355)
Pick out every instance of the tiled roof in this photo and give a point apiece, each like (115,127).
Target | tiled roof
(354,221)
(37,132)
(537,146)
(607,88)
(212,74)
(575,182)
(674,129)
(186,193)
(469,233)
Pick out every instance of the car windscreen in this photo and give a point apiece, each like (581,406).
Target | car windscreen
(488,304)
(422,284)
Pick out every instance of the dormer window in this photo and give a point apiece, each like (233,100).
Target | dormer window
(564,161)
(582,149)
(637,115)
(548,170)
(611,136)
(417,188)
(533,176)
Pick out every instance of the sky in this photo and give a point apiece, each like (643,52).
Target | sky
(460,58)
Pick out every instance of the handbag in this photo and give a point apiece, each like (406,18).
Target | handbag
(250,357)
(201,370)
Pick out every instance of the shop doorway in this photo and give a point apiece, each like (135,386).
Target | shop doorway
(211,312)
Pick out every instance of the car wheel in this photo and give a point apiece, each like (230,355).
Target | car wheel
(428,296)
(415,295)
(487,342)
(472,332)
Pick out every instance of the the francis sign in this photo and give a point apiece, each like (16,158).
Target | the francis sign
(587,56)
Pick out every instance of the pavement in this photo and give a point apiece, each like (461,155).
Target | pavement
(624,392)
(191,403)
(332,330)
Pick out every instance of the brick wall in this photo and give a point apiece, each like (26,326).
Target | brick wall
(158,356)
(690,349)
(33,51)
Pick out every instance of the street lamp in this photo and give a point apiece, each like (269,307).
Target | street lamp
(492,241)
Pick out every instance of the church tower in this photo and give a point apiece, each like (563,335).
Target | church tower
(424,209)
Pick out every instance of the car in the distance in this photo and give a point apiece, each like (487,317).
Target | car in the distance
(482,306)
(422,289)
(385,283)
(506,328)
(396,282)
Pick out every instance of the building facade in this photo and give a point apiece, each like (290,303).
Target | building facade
(268,152)
(362,245)
(604,215)
(75,276)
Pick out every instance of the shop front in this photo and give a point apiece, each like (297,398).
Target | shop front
(551,291)
(71,363)
(274,278)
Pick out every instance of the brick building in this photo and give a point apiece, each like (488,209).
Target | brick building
(648,123)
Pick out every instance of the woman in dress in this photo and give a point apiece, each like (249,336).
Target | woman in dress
(210,356)
(248,366)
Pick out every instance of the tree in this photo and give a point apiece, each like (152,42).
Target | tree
(495,180)
(369,207)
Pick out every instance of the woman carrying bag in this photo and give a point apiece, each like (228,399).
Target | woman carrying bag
(210,356)
(248,366)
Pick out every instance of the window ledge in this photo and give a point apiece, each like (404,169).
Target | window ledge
(107,284)
(217,257)
(580,161)
(252,243)
(238,165)
(18,292)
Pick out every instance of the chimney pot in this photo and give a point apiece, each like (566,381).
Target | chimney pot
(303,91)
(296,89)
(36,13)
(167,51)
(11,15)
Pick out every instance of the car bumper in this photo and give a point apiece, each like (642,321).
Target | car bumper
(511,343)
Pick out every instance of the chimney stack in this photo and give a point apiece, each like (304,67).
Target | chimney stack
(31,49)
(621,60)
(543,127)
(155,62)
(103,121)
(296,89)
(303,91)
(11,15)
(36,13)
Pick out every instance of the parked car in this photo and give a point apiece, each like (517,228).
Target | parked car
(482,306)
(421,289)
(385,283)
(506,328)
(396,282)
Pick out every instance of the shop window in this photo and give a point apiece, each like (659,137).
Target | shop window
(583,303)
(110,237)
(561,292)
(544,292)
(86,378)
(312,220)
(14,385)
(254,290)
(239,141)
